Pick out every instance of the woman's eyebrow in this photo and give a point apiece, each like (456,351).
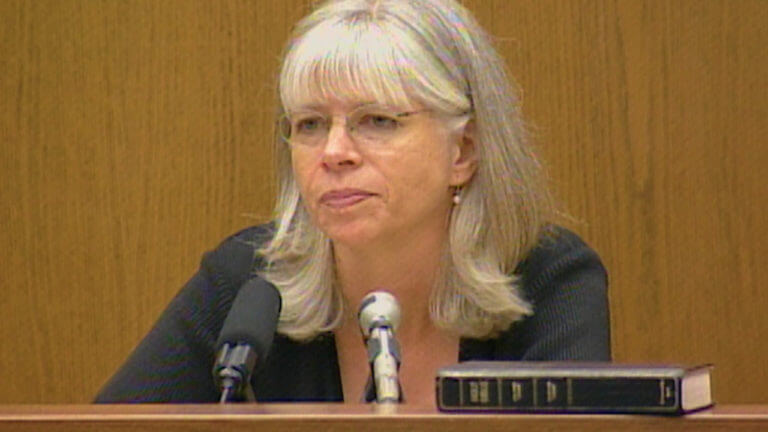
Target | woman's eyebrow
(306,107)
(320,107)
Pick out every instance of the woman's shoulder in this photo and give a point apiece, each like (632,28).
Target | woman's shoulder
(558,252)
(565,281)
(235,257)
(556,240)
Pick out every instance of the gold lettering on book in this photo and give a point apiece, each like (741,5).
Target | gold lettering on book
(551,392)
(479,392)
(517,391)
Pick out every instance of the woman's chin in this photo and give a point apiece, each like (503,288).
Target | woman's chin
(352,234)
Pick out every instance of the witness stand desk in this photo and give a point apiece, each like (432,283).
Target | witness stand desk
(339,417)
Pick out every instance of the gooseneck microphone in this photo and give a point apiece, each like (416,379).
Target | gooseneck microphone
(379,317)
(245,339)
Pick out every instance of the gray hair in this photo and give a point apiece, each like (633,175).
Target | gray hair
(432,52)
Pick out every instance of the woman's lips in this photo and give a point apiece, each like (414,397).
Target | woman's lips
(343,197)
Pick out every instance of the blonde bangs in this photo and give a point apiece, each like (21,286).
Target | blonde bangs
(327,64)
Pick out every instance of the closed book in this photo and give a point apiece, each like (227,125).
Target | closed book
(573,387)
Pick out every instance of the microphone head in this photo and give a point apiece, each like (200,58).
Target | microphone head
(378,309)
(253,317)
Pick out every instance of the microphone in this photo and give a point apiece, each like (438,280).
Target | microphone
(245,339)
(379,317)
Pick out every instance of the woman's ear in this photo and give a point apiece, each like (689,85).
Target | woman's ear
(464,163)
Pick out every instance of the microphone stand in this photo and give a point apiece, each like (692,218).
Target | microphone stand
(232,372)
(384,359)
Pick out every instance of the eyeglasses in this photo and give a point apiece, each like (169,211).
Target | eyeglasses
(366,125)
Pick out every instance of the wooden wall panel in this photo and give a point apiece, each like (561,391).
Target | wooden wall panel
(133,140)
(134,136)
(651,116)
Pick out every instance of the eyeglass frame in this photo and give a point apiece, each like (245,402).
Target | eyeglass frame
(349,127)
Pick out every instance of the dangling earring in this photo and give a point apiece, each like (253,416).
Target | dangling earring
(457,195)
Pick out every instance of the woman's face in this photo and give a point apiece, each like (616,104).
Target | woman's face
(388,176)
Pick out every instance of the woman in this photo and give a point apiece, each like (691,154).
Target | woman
(403,166)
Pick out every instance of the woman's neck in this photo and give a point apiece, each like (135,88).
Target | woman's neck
(406,267)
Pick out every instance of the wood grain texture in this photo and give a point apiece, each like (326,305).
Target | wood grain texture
(134,136)
(344,417)
(650,115)
(134,140)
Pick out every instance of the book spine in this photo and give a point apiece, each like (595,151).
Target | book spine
(560,394)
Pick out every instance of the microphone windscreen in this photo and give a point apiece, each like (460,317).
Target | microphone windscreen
(378,308)
(253,317)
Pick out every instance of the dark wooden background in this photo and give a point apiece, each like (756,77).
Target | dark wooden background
(134,136)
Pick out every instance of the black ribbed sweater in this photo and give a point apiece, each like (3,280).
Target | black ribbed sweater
(562,278)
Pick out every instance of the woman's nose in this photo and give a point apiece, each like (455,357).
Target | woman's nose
(340,150)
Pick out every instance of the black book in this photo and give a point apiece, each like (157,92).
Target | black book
(573,387)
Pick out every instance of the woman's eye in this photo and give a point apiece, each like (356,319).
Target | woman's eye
(309,125)
(379,121)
